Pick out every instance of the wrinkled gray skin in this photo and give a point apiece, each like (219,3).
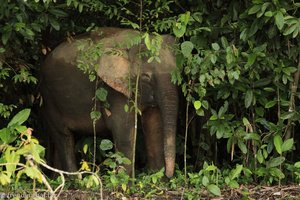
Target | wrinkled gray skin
(68,99)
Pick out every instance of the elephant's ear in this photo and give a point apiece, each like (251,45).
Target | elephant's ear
(114,70)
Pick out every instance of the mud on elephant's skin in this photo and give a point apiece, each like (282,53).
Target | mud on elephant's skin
(68,98)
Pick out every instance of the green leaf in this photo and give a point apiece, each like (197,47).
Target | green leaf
(269,14)
(242,147)
(224,42)
(259,156)
(101,94)
(186,48)
(213,58)
(275,172)
(205,181)
(288,145)
(270,104)
(297,164)
(287,115)
(290,29)
(251,59)
(58,13)
(147,41)
(278,143)
(236,172)
(245,121)
(11,157)
(4,178)
(289,70)
(296,32)
(214,189)
(19,118)
(179,27)
(274,162)
(5,37)
(215,46)
(114,180)
(248,98)
(254,9)
(269,89)
(33,173)
(54,24)
(252,136)
(233,184)
(80,8)
(214,117)
(200,112)
(197,105)
(21,129)
(7,136)
(126,108)
(106,145)
(85,148)
(279,20)
(95,115)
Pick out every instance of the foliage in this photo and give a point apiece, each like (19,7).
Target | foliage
(239,67)
(17,143)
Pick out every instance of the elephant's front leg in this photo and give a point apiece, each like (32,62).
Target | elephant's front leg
(121,124)
(152,128)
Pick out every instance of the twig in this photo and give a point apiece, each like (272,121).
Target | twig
(44,180)
(62,173)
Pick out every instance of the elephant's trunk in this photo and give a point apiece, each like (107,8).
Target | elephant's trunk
(168,103)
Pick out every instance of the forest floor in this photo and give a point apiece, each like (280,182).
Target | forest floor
(250,192)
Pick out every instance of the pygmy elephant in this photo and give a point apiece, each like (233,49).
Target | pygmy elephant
(68,97)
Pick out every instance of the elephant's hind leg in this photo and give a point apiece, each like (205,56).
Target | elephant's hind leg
(63,152)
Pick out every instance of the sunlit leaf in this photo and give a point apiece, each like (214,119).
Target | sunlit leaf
(197,105)
(235,173)
(215,46)
(214,189)
(19,118)
(288,145)
(278,143)
(270,104)
(106,145)
(274,162)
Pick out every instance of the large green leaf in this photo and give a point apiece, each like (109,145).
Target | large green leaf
(288,145)
(236,172)
(279,20)
(248,98)
(275,162)
(278,143)
(214,189)
(106,145)
(186,48)
(19,118)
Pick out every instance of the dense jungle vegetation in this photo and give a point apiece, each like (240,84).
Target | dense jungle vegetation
(238,67)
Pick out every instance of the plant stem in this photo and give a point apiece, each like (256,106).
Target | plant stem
(136,100)
(94,127)
(293,90)
(185,140)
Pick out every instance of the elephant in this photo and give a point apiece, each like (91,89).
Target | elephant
(67,95)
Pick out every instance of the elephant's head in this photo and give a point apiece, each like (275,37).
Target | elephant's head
(117,65)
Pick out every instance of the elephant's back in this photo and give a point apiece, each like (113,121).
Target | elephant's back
(66,91)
